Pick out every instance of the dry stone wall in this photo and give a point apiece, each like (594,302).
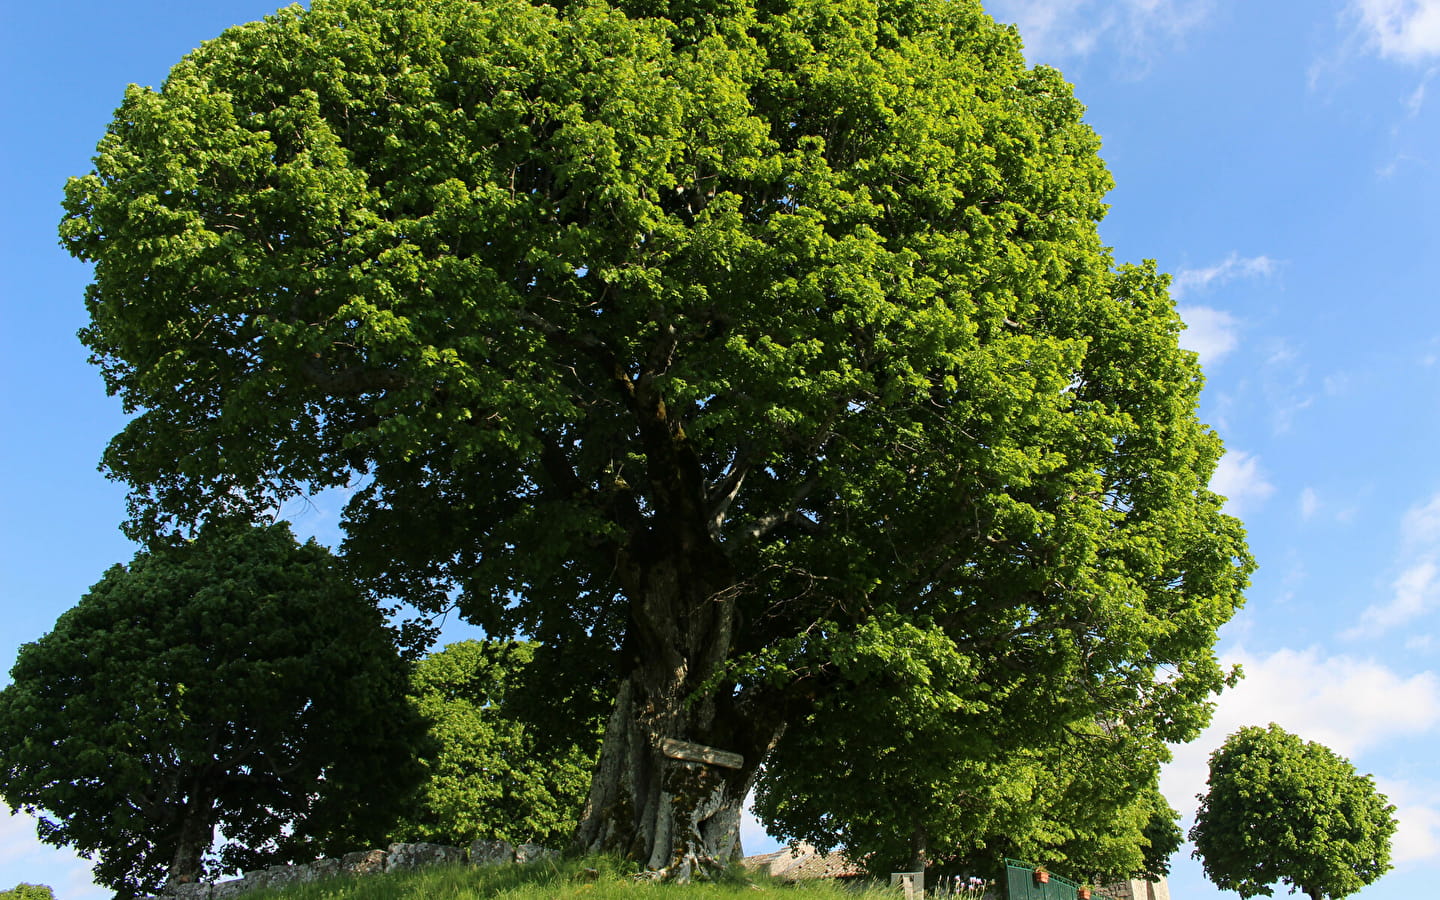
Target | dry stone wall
(1137,889)
(395,858)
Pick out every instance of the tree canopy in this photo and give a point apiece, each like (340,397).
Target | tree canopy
(490,774)
(744,354)
(237,681)
(1280,809)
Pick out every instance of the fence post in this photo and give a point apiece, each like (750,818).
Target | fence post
(912,882)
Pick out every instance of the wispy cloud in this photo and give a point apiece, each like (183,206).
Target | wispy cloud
(1285,382)
(1055,30)
(1415,591)
(1241,481)
(1188,281)
(1407,30)
(1416,101)
(1420,526)
(1313,506)
(1211,333)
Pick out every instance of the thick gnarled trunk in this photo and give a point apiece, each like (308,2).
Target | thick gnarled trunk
(196,833)
(679,817)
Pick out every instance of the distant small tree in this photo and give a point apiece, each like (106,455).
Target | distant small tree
(1285,810)
(236,681)
(23,891)
(491,775)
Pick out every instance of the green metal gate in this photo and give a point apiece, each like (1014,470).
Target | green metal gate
(1020,884)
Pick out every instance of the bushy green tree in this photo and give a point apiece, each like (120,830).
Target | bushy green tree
(717,344)
(25,891)
(1283,810)
(489,774)
(236,681)
(910,784)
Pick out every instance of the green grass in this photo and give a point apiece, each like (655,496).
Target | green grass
(587,879)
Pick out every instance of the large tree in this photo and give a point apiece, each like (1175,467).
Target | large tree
(1281,809)
(238,681)
(715,345)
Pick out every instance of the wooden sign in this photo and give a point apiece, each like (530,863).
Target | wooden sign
(701,754)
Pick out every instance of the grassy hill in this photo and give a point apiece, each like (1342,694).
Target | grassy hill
(588,879)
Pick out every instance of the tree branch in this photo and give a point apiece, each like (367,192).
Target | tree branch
(723,494)
(787,516)
(349,381)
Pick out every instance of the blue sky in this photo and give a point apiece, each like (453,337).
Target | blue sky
(1280,158)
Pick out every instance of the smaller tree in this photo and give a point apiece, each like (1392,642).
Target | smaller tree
(966,781)
(1285,810)
(236,681)
(490,774)
(23,891)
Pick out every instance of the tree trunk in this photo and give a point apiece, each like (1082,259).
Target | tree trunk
(196,834)
(680,818)
(919,849)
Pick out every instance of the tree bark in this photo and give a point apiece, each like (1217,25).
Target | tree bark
(195,835)
(679,818)
(919,849)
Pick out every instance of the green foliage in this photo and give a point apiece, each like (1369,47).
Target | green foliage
(489,775)
(1162,838)
(971,789)
(798,305)
(238,680)
(25,891)
(1280,809)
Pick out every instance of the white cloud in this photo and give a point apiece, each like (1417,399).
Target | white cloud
(1401,29)
(24,859)
(1416,101)
(1421,524)
(1420,643)
(1350,705)
(1054,30)
(1309,503)
(1418,837)
(1240,480)
(1416,590)
(1209,332)
(1232,267)
(1413,593)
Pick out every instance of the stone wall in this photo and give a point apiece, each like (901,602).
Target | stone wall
(1138,889)
(395,858)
